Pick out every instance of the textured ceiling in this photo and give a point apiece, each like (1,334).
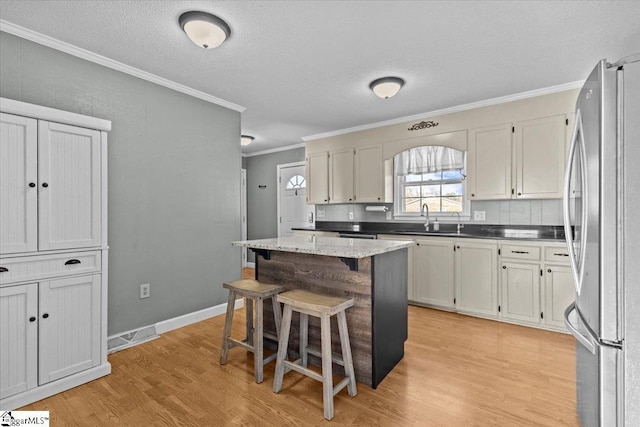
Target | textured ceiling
(303,67)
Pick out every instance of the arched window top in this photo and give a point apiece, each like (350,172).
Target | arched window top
(296,181)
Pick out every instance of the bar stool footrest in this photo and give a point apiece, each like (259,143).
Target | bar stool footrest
(342,384)
(236,343)
(293,366)
(335,357)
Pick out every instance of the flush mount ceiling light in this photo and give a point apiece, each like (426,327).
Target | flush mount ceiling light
(204,29)
(386,87)
(246,139)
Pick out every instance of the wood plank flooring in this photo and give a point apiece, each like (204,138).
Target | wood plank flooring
(457,371)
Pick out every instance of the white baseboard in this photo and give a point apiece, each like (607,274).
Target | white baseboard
(196,316)
(251,264)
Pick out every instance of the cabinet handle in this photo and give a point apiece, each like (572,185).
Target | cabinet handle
(504,267)
(325,200)
(32,184)
(457,247)
(473,195)
(560,254)
(548,270)
(32,319)
(4,270)
(519,252)
(45,185)
(44,316)
(349,199)
(378,198)
(72,261)
(519,194)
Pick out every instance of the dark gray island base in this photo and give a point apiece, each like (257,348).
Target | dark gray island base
(377,322)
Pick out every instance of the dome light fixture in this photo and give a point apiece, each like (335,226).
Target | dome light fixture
(386,87)
(204,29)
(246,139)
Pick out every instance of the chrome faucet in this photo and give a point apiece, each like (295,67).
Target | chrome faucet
(425,208)
(460,225)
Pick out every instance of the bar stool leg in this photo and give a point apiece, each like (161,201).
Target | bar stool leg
(304,338)
(346,353)
(327,374)
(228,321)
(277,314)
(283,343)
(258,340)
(249,311)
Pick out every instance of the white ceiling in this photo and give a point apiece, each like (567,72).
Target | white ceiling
(303,67)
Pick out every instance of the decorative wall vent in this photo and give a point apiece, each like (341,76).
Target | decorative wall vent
(424,125)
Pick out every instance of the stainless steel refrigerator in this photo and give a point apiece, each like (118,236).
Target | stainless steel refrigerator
(602,225)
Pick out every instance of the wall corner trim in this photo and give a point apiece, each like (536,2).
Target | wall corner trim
(70,49)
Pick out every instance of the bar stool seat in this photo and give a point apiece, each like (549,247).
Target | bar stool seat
(322,306)
(257,292)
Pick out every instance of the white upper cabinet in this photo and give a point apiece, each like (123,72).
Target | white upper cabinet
(540,157)
(69,190)
(489,163)
(341,176)
(369,174)
(18,184)
(523,160)
(317,175)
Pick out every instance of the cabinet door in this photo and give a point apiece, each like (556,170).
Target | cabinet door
(341,176)
(317,175)
(559,293)
(69,339)
(540,157)
(18,339)
(369,174)
(433,273)
(18,178)
(521,292)
(69,190)
(489,163)
(477,278)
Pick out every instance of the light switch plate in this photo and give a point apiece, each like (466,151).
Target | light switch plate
(320,213)
(478,215)
(350,215)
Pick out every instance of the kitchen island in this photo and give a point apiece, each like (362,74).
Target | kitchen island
(372,272)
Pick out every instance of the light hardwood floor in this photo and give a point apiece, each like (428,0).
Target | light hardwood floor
(457,371)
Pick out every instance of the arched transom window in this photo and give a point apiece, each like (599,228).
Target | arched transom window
(296,181)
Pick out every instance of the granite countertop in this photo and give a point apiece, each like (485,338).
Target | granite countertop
(470,231)
(329,246)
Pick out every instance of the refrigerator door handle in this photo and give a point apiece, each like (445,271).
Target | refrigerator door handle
(576,143)
(586,339)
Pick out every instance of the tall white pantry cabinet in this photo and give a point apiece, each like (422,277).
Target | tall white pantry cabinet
(53,251)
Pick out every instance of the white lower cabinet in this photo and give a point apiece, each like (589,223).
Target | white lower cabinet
(433,272)
(52,330)
(475,277)
(559,294)
(520,292)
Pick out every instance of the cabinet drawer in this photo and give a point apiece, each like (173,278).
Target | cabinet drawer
(556,254)
(521,252)
(37,267)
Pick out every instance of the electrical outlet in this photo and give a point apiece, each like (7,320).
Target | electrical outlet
(320,213)
(389,215)
(145,290)
(350,215)
(478,215)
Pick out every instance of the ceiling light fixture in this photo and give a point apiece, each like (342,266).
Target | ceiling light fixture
(204,29)
(246,139)
(386,87)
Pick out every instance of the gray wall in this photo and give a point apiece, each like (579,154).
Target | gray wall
(174,180)
(262,208)
(504,212)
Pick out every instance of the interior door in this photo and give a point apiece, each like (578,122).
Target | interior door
(292,202)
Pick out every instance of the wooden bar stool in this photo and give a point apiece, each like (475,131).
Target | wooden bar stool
(252,290)
(322,306)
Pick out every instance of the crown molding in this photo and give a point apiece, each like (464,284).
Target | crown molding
(493,101)
(274,150)
(44,40)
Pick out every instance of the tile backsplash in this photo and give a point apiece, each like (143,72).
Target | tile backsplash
(503,212)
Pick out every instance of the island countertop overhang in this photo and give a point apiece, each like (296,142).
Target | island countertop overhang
(328,246)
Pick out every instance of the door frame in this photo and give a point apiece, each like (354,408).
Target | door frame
(243,214)
(278,171)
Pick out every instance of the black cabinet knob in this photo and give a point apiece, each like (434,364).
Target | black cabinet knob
(32,319)
(44,316)
(473,195)
(519,194)
(457,247)
(378,198)
(32,184)
(45,185)
(504,267)
(548,270)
